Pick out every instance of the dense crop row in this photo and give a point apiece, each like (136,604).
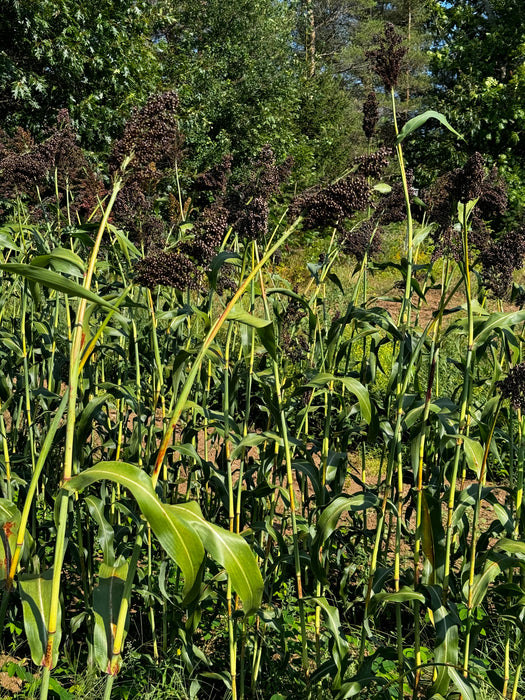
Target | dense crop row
(188,441)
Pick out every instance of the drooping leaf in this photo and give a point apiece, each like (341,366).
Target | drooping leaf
(264,328)
(432,537)
(174,534)
(474,453)
(353,385)
(496,322)
(404,595)
(107,597)
(6,240)
(62,260)
(420,119)
(340,647)
(105,531)
(446,651)
(54,280)
(329,518)
(183,532)
(510,546)
(230,550)
(466,687)
(35,592)
(492,567)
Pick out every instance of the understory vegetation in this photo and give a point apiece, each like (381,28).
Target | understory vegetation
(225,474)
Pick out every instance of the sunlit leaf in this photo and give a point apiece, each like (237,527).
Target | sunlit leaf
(53,280)
(418,121)
(184,533)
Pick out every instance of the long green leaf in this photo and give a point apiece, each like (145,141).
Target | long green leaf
(62,260)
(464,685)
(230,550)
(263,326)
(35,592)
(404,595)
(105,531)
(329,518)
(55,281)
(495,323)
(447,640)
(418,121)
(474,453)
(174,534)
(354,386)
(183,532)
(107,596)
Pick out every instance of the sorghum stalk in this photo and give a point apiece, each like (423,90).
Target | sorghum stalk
(63,497)
(472,569)
(290,482)
(465,269)
(231,508)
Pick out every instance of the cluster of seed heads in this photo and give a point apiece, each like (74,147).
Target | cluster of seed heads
(500,259)
(171,269)
(393,207)
(373,164)
(152,138)
(294,342)
(370,114)
(386,61)
(333,205)
(513,386)
(463,185)
(363,240)
(216,178)
(248,202)
(38,172)
(245,207)
(208,233)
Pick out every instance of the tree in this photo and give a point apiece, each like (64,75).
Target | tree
(344,30)
(98,60)
(234,68)
(478,71)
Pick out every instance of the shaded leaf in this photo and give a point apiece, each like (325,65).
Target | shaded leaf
(9,525)
(35,592)
(107,597)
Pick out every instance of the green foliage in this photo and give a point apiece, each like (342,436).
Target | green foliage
(263,488)
(234,69)
(478,74)
(98,61)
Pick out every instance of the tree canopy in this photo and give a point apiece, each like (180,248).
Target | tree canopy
(292,74)
(98,60)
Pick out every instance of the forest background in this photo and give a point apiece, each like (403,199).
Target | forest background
(291,74)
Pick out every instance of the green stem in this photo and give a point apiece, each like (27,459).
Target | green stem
(63,498)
